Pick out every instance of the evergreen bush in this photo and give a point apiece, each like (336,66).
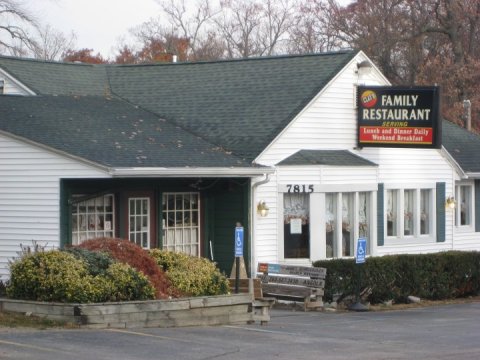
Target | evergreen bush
(192,275)
(437,276)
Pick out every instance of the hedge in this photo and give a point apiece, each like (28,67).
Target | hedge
(438,276)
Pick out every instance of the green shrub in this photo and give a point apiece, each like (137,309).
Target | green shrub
(430,276)
(50,276)
(123,283)
(193,276)
(60,276)
(97,261)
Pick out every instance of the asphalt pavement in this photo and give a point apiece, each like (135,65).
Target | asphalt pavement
(436,332)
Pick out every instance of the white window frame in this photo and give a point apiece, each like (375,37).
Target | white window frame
(88,222)
(458,199)
(174,233)
(318,228)
(136,217)
(415,237)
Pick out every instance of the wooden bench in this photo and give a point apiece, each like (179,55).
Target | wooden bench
(288,282)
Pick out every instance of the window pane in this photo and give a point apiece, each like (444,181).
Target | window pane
(392,206)
(465,205)
(364,217)
(425,211)
(347,223)
(296,225)
(408,213)
(330,224)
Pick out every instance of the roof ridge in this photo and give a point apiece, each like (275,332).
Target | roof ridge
(42,61)
(249,59)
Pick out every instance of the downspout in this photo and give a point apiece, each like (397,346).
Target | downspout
(252,221)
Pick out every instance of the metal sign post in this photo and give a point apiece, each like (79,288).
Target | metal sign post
(360,256)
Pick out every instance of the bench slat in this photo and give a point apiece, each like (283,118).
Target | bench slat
(314,283)
(289,290)
(280,269)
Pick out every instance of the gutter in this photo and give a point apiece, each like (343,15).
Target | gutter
(190,172)
(252,227)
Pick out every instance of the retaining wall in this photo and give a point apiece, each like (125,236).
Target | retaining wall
(198,311)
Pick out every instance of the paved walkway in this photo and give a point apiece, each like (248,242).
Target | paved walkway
(443,332)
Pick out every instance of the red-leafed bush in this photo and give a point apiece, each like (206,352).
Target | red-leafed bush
(133,255)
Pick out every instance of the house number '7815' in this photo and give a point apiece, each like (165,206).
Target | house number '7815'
(299,188)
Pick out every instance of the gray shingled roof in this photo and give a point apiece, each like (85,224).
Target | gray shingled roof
(463,146)
(239,105)
(108,132)
(326,157)
(242,105)
(55,78)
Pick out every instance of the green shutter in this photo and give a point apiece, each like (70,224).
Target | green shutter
(477,205)
(440,212)
(380,216)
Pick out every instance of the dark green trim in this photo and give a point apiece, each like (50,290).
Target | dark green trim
(477,205)
(440,196)
(65,218)
(380,215)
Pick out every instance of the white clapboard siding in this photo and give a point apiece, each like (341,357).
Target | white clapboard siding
(30,195)
(329,122)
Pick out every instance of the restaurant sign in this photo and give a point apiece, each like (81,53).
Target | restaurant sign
(391,116)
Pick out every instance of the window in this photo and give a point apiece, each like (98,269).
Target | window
(416,207)
(425,211)
(464,208)
(181,230)
(409,212)
(139,221)
(392,209)
(92,218)
(340,236)
(296,219)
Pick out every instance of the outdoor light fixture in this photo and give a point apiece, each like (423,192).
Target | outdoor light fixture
(450,202)
(262,209)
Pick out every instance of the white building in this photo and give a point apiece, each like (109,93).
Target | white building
(174,155)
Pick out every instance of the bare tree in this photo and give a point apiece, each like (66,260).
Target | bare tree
(194,24)
(314,29)
(51,43)
(15,22)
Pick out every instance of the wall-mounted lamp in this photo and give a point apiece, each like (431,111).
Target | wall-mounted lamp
(450,202)
(262,209)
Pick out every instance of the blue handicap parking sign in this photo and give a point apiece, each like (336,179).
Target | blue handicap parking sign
(238,241)
(361,251)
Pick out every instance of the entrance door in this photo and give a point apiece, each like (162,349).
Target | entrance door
(141,220)
(181,222)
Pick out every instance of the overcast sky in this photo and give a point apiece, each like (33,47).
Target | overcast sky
(98,24)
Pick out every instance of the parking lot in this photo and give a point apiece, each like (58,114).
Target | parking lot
(441,332)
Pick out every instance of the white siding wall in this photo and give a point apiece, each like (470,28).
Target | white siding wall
(30,195)
(413,168)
